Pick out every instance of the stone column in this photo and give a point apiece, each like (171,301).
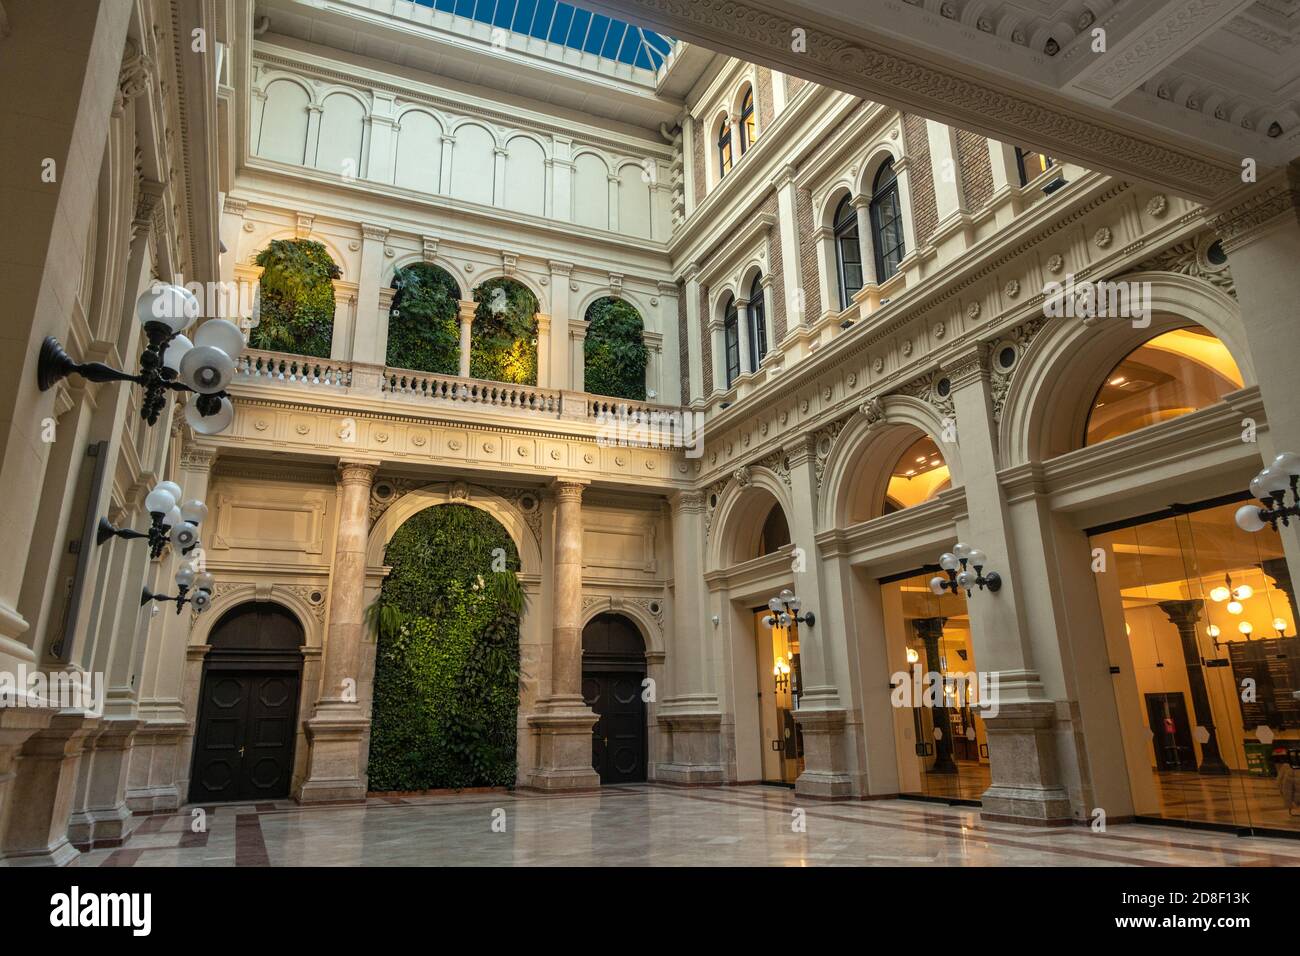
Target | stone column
(821,714)
(578,356)
(930,631)
(788,227)
(866,243)
(368,344)
(544,351)
(1026,783)
(694,335)
(563,722)
(563,372)
(689,714)
(1184,615)
(36,814)
(742,330)
(338,729)
(467,307)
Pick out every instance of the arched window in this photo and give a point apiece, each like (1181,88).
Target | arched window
(1167,376)
(731,339)
(724,148)
(613,351)
(887,222)
(297,298)
(848,252)
(775,533)
(920,474)
(757,323)
(748,132)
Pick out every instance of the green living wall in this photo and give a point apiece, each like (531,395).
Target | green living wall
(614,353)
(446,691)
(504,347)
(423,324)
(297,298)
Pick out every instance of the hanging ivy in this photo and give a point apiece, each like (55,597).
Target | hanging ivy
(423,325)
(446,692)
(614,353)
(297,298)
(504,345)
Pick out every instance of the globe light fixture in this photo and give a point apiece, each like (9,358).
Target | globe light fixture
(170,361)
(964,566)
(1279,625)
(1246,628)
(1270,486)
(170,521)
(785,609)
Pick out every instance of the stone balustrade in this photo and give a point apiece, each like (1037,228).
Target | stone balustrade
(276,368)
(472,392)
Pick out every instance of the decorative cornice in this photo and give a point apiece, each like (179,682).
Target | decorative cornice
(1239,224)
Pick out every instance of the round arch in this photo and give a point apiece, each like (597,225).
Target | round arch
(268,78)
(831,202)
(645,623)
(739,516)
(857,471)
(506,514)
(416,258)
(335,253)
(227,600)
(455,126)
(1053,387)
(595,295)
(873,159)
(748,272)
(527,281)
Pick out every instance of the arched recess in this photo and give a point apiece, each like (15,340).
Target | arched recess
(506,514)
(503,347)
(614,351)
(423,323)
(740,518)
(282,134)
(645,622)
(297,298)
(472,166)
(342,134)
(418,163)
(1056,379)
(634,206)
(525,177)
(857,472)
(227,598)
(591,190)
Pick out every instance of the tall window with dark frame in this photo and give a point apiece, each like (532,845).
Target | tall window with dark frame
(848,252)
(731,340)
(1032,164)
(724,148)
(748,131)
(887,222)
(757,323)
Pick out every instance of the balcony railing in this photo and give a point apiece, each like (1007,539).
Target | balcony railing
(272,367)
(469,391)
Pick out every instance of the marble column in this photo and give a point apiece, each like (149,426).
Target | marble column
(337,730)
(742,331)
(1184,615)
(467,307)
(689,714)
(930,631)
(563,722)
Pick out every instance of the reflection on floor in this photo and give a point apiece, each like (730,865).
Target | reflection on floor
(1237,799)
(648,825)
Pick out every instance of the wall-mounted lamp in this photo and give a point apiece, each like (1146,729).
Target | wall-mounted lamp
(172,521)
(187,577)
(1270,487)
(785,608)
(959,576)
(170,362)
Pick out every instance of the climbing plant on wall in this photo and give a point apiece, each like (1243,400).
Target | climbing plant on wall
(614,353)
(504,345)
(446,691)
(423,328)
(297,298)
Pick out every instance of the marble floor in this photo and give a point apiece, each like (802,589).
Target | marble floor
(648,824)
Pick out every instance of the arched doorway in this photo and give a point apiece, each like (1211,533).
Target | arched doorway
(613,670)
(248,706)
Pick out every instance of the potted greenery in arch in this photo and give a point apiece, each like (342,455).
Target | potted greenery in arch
(297,293)
(614,352)
(423,328)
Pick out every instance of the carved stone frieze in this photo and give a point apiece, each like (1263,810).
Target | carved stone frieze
(1000,378)
(926,389)
(1190,258)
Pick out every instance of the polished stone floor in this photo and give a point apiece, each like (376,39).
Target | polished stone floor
(640,825)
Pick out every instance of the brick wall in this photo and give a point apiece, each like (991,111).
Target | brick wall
(920,177)
(683,343)
(776,321)
(793,84)
(976,169)
(806,230)
(706,343)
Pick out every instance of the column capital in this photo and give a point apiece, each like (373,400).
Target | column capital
(559,268)
(686,503)
(1250,213)
(1182,613)
(386,296)
(374,232)
(801,449)
(568,489)
(467,309)
(357,472)
(197,458)
(967,366)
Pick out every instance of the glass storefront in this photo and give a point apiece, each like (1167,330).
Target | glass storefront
(1201,632)
(939,737)
(779,683)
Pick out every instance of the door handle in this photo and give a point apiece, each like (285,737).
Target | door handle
(241,751)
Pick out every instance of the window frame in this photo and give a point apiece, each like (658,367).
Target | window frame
(892,249)
(757,322)
(841,227)
(726,156)
(1025,178)
(748,125)
(731,341)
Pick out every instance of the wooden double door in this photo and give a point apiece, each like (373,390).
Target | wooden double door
(248,707)
(613,685)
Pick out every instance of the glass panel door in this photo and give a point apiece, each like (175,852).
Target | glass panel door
(779,682)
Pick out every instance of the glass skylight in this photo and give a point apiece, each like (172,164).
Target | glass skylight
(566,25)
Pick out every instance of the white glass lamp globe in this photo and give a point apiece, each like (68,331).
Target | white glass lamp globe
(978,558)
(220,334)
(160,501)
(218,421)
(194,511)
(204,581)
(171,488)
(1245,627)
(965,579)
(201,600)
(1220,594)
(173,517)
(185,576)
(937,585)
(185,534)
(1288,463)
(1234,607)
(1248,518)
(170,305)
(1243,592)
(207,369)
(1279,625)
(176,350)
(1274,482)
(948,561)
(960,550)
(1213,630)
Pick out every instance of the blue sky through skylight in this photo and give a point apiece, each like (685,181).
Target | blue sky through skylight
(565,24)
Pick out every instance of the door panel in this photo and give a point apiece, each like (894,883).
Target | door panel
(245,736)
(618,741)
